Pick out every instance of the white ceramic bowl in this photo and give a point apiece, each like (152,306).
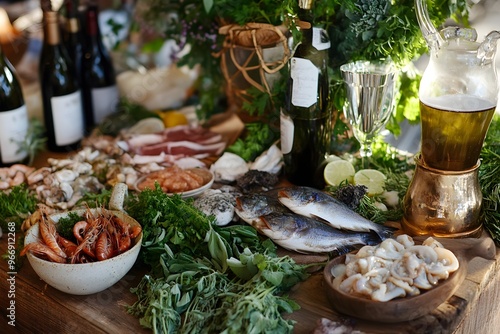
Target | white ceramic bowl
(84,278)
(186,194)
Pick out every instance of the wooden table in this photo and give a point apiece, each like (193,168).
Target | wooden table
(43,309)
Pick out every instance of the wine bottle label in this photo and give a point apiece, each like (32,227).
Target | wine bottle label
(305,76)
(13,130)
(68,118)
(320,39)
(104,101)
(287,133)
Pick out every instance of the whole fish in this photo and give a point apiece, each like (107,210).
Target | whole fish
(251,207)
(311,202)
(308,235)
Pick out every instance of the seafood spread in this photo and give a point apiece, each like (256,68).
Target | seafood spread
(97,238)
(308,235)
(14,175)
(394,268)
(175,179)
(311,202)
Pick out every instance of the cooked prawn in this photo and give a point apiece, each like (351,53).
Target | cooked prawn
(48,233)
(67,246)
(103,247)
(44,251)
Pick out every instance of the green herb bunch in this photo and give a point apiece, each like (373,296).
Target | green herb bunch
(16,205)
(489,179)
(206,278)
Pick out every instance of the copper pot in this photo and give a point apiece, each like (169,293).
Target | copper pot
(443,203)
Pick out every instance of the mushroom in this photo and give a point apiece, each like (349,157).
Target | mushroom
(431,242)
(389,249)
(384,294)
(448,259)
(348,284)
(365,251)
(411,290)
(425,253)
(421,281)
(405,240)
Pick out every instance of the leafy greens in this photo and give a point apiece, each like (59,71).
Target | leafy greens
(218,279)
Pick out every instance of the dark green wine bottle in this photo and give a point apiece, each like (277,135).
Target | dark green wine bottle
(100,93)
(72,35)
(13,115)
(61,96)
(306,117)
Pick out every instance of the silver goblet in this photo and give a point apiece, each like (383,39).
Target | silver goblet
(370,90)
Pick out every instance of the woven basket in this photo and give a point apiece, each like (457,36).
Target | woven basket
(252,56)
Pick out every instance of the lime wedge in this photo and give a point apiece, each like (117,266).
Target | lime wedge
(372,179)
(337,171)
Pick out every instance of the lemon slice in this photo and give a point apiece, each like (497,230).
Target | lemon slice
(372,179)
(147,125)
(337,171)
(173,118)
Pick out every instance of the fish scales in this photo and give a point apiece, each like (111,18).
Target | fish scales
(308,235)
(311,202)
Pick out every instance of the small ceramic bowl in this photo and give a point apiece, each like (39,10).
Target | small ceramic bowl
(84,278)
(396,310)
(207,175)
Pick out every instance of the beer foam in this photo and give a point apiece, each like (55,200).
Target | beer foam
(458,102)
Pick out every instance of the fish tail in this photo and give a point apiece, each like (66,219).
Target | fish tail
(385,232)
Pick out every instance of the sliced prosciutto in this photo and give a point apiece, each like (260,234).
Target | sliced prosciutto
(179,141)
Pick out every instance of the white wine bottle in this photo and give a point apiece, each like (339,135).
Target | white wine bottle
(100,93)
(61,95)
(13,115)
(306,117)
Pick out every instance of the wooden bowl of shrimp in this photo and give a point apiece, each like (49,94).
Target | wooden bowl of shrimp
(77,273)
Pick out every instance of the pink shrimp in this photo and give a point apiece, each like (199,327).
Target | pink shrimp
(42,251)
(87,244)
(79,230)
(122,233)
(103,246)
(48,233)
(134,231)
(66,245)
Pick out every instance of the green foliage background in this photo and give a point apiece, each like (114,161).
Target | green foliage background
(358,29)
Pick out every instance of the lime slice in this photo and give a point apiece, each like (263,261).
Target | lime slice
(373,179)
(337,171)
(147,125)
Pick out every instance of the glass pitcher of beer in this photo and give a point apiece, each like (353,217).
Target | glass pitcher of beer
(458,96)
